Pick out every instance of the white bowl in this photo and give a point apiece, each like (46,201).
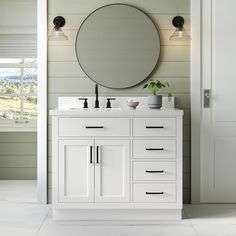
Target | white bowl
(132,104)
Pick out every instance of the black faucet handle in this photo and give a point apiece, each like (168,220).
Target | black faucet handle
(85,102)
(109,102)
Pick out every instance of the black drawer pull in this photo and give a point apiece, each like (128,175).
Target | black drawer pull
(154,127)
(94,127)
(91,154)
(154,149)
(154,171)
(150,193)
(97,155)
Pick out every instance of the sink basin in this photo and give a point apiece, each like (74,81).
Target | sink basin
(95,109)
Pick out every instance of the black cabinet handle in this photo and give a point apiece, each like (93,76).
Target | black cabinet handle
(94,127)
(150,193)
(154,149)
(91,154)
(97,155)
(154,171)
(154,127)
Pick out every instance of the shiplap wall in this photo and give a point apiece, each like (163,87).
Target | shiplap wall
(18,155)
(65,78)
(17,150)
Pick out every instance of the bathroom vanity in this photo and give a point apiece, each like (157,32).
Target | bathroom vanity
(115,164)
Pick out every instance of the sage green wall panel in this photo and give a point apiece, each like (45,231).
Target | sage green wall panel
(18,173)
(187,195)
(67,79)
(187,117)
(77,85)
(175,53)
(149,6)
(50,180)
(164,69)
(61,53)
(182,100)
(187,180)
(49,195)
(18,161)
(186,132)
(49,164)
(187,164)
(49,148)
(186,148)
(18,137)
(13,149)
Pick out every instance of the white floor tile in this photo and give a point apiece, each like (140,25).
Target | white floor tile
(74,228)
(213,219)
(21,219)
(18,191)
(27,219)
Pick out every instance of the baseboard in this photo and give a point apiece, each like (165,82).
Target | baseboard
(120,216)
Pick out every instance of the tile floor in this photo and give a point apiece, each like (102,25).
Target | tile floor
(23,217)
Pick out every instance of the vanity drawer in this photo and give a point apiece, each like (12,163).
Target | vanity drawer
(157,170)
(154,148)
(154,192)
(74,126)
(154,127)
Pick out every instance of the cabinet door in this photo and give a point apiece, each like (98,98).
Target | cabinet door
(112,171)
(76,171)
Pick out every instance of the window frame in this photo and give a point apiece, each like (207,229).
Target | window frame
(21,125)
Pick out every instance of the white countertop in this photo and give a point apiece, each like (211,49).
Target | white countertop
(123,112)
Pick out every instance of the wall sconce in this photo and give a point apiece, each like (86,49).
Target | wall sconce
(180,33)
(57,34)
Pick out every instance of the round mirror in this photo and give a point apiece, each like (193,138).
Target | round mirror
(118,46)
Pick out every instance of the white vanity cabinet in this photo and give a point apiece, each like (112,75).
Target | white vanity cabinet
(75,173)
(94,170)
(117,165)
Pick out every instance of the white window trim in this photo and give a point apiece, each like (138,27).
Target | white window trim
(42,102)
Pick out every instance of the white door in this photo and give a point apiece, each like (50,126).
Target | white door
(112,171)
(218,152)
(76,170)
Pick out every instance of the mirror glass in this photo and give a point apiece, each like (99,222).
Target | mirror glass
(118,46)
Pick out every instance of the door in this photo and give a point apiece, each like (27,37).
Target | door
(112,171)
(218,152)
(76,171)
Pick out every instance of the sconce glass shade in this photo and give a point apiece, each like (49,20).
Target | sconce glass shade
(180,34)
(57,35)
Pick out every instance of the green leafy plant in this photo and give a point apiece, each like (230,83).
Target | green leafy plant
(155,86)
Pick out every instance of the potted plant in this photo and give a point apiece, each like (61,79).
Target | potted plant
(155,100)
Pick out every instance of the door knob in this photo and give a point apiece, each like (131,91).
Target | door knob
(206,98)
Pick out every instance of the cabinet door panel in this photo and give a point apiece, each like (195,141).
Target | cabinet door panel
(76,173)
(112,173)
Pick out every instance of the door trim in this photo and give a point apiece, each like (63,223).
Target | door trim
(42,102)
(196,103)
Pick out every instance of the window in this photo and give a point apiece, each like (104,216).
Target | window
(18,91)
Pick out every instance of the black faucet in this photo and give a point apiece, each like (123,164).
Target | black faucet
(96,93)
